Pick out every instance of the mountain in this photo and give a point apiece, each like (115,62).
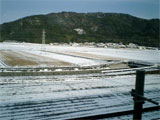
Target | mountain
(83,27)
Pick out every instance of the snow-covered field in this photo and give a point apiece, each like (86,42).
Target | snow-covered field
(70,96)
(69,55)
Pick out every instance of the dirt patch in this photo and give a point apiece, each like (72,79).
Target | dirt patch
(93,56)
(43,60)
(13,58)
(118,66)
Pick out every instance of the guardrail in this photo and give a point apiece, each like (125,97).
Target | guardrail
(138,102)
(116,114)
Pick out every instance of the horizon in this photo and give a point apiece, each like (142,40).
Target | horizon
(12,10)
(80,13)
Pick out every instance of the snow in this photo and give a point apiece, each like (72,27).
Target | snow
(70,59)
(79,31)
(24,48)
(154,115)
(58,69)
(151,56)
(70,96)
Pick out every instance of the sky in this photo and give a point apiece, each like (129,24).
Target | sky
(11,10)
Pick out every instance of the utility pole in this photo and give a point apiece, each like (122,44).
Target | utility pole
(43,40)
(43,36)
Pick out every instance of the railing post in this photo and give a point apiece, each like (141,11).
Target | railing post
(139,89)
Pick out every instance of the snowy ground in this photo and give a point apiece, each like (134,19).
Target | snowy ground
(69,55)
(70,96)
(154,115)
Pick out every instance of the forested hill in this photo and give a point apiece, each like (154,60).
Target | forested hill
(83,27)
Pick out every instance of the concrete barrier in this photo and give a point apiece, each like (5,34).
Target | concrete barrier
(49,73)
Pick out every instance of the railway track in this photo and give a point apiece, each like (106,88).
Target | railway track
(73,70)
(57,109)
(68,97)
(68,108)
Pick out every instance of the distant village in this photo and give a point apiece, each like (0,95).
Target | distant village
(107,45)
(99,45)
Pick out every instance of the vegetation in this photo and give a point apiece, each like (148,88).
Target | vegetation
(97,27)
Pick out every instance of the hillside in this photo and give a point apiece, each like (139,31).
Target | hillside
(83,27)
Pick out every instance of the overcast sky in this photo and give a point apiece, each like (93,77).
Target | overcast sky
(14,9)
